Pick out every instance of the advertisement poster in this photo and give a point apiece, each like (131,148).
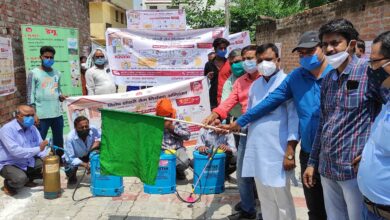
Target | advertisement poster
(239,40)
(190,98)
(174,19)
(151,58)
(7,76)
(66,43)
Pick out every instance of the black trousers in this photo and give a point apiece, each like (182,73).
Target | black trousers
(314,196)
(71,170)
(16,178)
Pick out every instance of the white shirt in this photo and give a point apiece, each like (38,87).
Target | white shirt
(268,136)
(99,81)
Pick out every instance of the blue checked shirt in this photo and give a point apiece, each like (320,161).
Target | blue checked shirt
(174,140)
(349,105)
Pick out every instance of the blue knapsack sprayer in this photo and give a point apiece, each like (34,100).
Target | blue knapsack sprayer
(101,185)
(209,169)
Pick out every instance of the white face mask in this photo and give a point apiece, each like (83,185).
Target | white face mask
(266,68)
(337,59)
(83,65)
(250,66)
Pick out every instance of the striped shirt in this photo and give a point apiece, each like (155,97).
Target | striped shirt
(349,105)
(173,140)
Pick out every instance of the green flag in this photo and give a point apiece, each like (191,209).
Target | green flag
(131,144)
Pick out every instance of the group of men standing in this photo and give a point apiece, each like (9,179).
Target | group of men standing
(329,104)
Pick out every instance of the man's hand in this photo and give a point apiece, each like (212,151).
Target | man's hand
(203,149)
(224,147)
(210,75)
(308,177)
(86,166)
(289,164)
(233,127)
(356,162)
(62,97)
(210,119)
(95,145)
(43,145)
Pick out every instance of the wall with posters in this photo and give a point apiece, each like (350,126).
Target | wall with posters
(146,57)
(239,40)
(70,13)
(190,99)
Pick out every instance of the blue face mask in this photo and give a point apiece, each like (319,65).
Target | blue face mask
(310,62)
(100,61)
(47,62)
(250,66)
(221,53)
(28,121)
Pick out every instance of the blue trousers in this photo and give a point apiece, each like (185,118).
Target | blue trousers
(57,126)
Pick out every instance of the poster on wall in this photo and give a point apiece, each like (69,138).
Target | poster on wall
(190,99)
(7,75)
(239,40)
(65,41)
(151,58)
(174,19)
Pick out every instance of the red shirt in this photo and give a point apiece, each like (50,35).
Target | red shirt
(239,94)
(223,75)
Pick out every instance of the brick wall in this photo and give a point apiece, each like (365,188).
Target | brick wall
(13,13)
(370,17)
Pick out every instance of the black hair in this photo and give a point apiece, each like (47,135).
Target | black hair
(384,38)
(361,45)
(79,119)
(219,41)
(262,48)
(45,49)
(339,26)
(82,57)
(248,48)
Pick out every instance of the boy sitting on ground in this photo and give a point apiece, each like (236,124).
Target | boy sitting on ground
(175,134)
(217,138)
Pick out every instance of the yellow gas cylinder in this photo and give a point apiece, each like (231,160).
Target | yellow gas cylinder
(51,177)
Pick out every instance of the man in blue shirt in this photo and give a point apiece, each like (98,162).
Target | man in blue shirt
(21,146)
(374,170)
(79,143)
(303,86)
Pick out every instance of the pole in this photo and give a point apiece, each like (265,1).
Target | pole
(227,15)
(202,125)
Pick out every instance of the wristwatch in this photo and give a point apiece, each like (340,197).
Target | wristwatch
(290,157)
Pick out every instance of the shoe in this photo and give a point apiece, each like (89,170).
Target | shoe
(180,176)
(8,190)
(242,216)
(72,180)
(237,207)
(30,184)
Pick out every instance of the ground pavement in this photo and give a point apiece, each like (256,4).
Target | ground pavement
(132,204)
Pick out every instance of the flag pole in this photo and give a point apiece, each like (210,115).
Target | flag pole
(202,125)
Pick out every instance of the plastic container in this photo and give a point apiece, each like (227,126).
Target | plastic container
(213,178)
(102,185)
(166,176)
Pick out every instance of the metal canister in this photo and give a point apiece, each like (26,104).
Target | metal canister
(51,177)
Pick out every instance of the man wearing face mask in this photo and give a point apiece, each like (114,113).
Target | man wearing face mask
(373,170)
(349,104)
(239,95)
(46,96)
(79,143)
(268,139)
(98,78)
(21,149)
(303,86)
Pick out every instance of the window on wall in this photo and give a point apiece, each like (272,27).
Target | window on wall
(116,16)
(172,7)
(122,16)
(153,7)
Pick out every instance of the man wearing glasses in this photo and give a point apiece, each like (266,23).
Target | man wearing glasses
(21,149)
(302,85)
(44,85)
(349,105)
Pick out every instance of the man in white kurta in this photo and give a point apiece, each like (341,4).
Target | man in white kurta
(267,141)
